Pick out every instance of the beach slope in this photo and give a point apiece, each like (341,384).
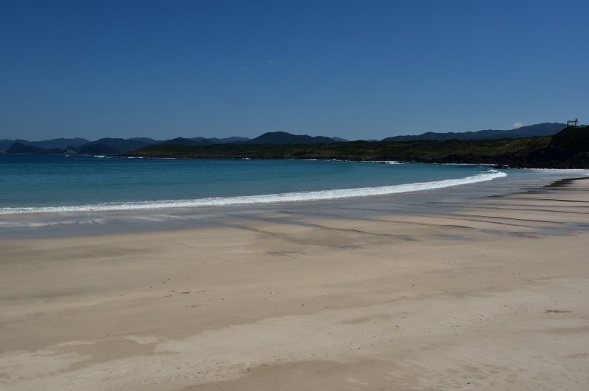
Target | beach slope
(491,294)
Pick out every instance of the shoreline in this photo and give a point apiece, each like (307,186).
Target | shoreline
(92,222)
(260,199)
(426,291)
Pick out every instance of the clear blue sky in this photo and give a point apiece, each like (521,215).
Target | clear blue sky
(354,69)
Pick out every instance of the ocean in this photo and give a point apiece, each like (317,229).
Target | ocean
(57,184)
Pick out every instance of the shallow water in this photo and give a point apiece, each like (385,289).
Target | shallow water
(58,183)
(391,189)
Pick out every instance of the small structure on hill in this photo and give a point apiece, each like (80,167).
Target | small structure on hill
(574,123)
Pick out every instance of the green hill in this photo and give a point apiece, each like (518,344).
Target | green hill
(567,149)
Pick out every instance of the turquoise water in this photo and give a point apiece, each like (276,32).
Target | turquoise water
(58,183)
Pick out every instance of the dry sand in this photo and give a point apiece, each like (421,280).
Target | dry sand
(487,296)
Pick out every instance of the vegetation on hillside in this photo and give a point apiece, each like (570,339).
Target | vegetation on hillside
(567,149)
(485,151)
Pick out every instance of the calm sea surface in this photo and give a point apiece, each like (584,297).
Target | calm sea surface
(58,183)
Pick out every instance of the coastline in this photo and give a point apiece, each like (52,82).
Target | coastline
(486,292)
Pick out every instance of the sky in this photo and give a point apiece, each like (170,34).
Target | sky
(354,69)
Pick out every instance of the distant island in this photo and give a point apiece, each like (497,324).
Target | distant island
(547,145)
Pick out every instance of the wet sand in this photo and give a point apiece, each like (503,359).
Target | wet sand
(490,294)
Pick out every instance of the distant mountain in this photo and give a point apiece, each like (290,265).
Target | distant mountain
(115,146)
(201,140)
(146,140)
(111,146)
(19,147)
(193,141)
(228,140)
(187,141)
(287,138)
(57,143)
(5,144)
(544,129)
(60,143)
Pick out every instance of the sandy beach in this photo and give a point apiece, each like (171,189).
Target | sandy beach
(487,295)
